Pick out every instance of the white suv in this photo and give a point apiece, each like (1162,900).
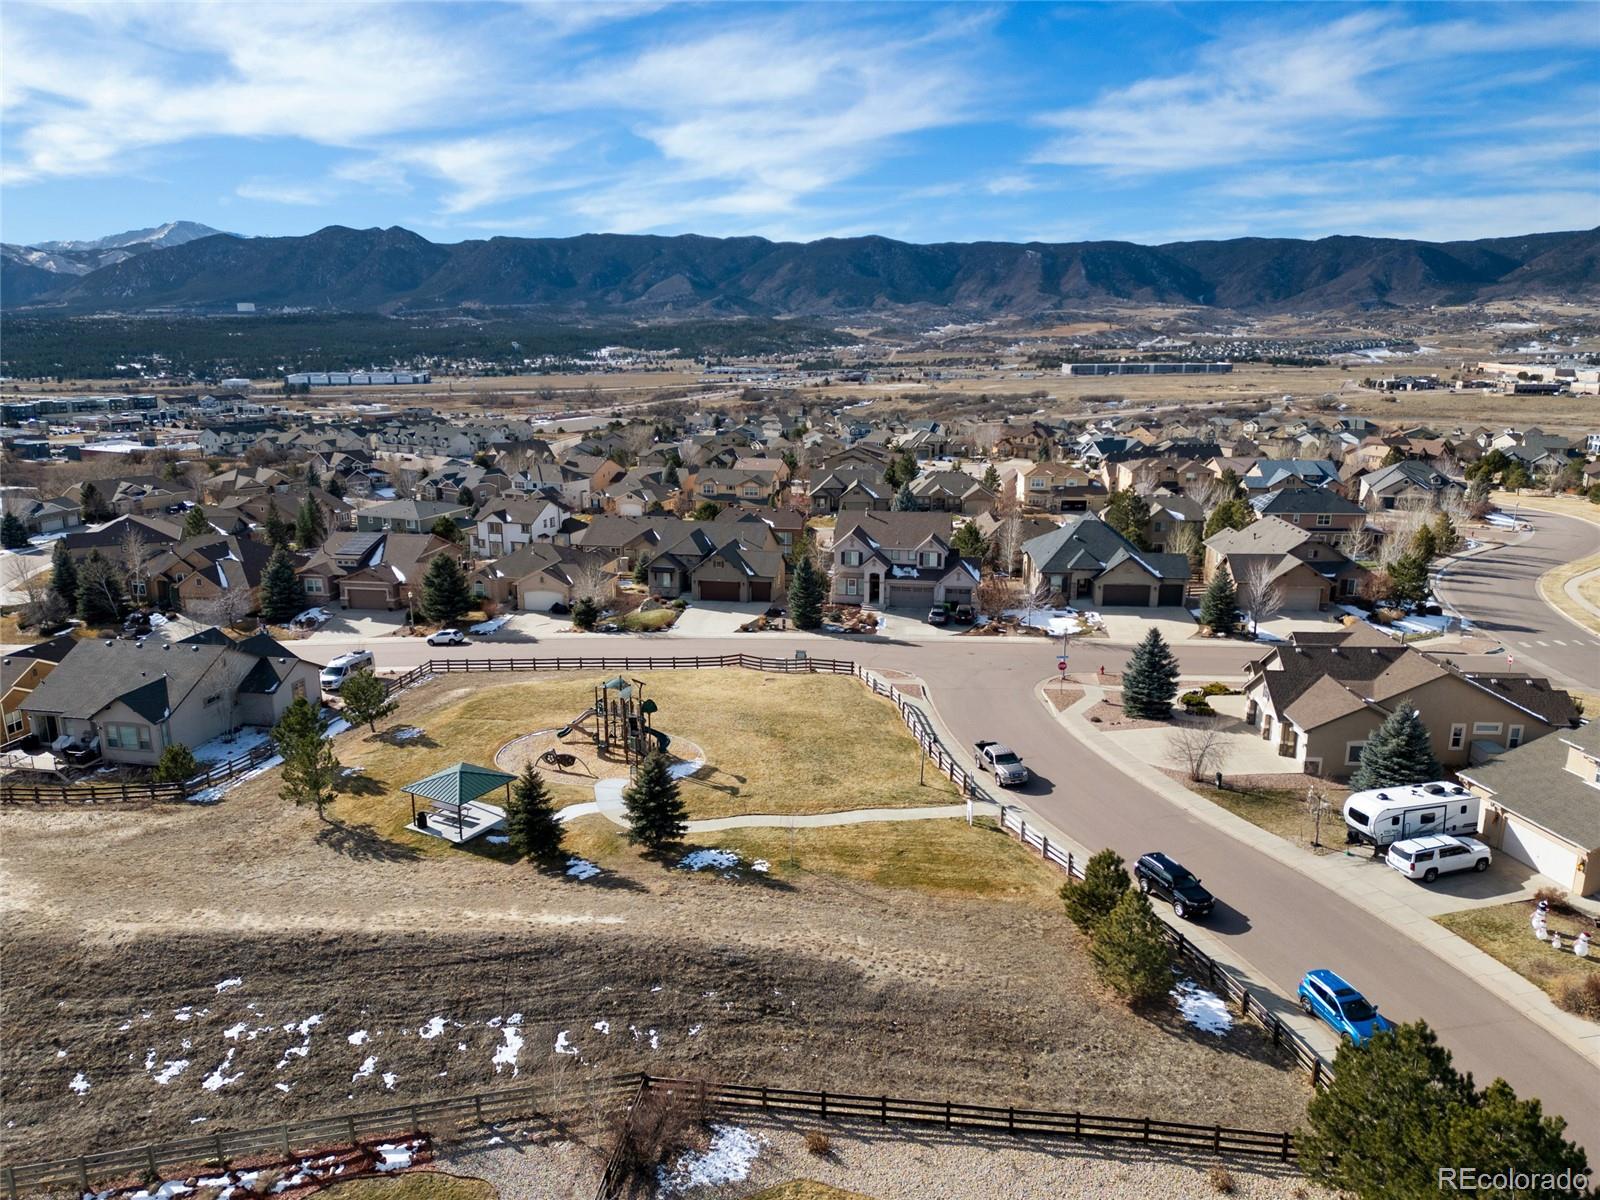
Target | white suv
(1427,858)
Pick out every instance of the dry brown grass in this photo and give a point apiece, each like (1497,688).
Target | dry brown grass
(1278,808)
(414,1185)
(1502,931)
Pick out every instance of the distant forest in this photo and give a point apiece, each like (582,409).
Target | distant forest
(211,348)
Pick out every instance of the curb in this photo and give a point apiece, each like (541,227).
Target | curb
(1527,998)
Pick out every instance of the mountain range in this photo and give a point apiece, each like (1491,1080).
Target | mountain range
(395,270)
(29,271)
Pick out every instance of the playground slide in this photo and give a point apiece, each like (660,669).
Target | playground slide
(662,740)
(586,715)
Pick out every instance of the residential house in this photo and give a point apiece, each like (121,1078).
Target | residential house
(136,698)
(242,480)
(900,560)
(110,538)
(558,480)
(1089,563)
(536,576)
(1321,512)
(192,573)
(729,486)
(20,672)
(38,515)
(509,525)
(1542,806)
(1306,571)
(1277,474)
(408,516)
(738,560)
(951,491)
(1058,487)
(851,488)
(448,483)
(141,495)
(1321,696)
(1406,484)
(1170,515)
(373,569)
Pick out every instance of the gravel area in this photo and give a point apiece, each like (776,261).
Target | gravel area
(530,1160)
(910,1163)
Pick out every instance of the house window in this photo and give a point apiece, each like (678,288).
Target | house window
(312,585)
(128,737)
(1352,753)
(931,558)
(1514,737)
(1486,729)
(851,558)
(1458,736)
(1324,520)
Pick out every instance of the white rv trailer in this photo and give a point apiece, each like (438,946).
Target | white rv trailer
(1384,815)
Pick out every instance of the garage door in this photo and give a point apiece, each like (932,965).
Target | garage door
(536,600)
(1171,594)
(362,597)
(902,596)
(1302,598)
(718,589)
(761,590)
(1539,850)
(1137,594)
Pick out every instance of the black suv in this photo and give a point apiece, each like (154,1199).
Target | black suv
(1158,875)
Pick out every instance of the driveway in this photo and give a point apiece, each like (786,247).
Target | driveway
(1128,626)
(716,618)
(1499,593)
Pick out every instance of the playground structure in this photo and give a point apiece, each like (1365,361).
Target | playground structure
(619,721)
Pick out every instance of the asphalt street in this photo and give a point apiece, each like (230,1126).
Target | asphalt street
(1499,593)
(1276,921)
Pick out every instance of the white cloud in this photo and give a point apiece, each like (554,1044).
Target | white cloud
(284,191)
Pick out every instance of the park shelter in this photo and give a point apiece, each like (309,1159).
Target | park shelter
(456,810)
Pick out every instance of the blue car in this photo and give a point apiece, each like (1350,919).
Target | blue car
(1327,997)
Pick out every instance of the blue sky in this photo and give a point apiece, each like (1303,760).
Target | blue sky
(1145,122)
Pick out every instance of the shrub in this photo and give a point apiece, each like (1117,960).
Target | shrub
(819,1143)
(1218,689)
(1130,951)
(177,764)
(585,614)
(1089,900)
(1221,1180)
(1580,994)
(1556,898)
(1192,698)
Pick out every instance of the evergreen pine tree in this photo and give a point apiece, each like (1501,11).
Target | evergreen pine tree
(1090,900)
(532,827)
(310,767)
(366,700)
(464,497)
(1478,489)
(13,533)
(1378,1128)
(806,595)
(656,814)
(669,478)
(64,576)
(1128,513)
(281,599)
(968,542)
(1399,753)
(1424,544)
(1220,607)
(276,529)
(1408,577)
(176,764)
(904,501)
(93,505)
(1130,951)
(641,571)
(1150,682)
(1445,538)
(335,487)
(1230,514)
(447,529)
(1229,481)
(991,479)
(1395,455)
(99,591)
(585,614)
(312,478)
(309,528)
(445,595)
(195,523)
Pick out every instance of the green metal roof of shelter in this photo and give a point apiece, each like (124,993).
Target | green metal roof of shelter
(459,784)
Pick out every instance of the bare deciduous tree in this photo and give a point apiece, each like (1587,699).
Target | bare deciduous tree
(1359,545)
(229,607)
(1260,595)
(1186,540)
(1199,749)
(591,581)
(994,597)
(1008,537)
(132,554)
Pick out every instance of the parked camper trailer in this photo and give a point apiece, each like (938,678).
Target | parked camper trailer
(1385,815)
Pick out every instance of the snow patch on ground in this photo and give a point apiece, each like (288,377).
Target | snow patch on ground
(491,625)
(602,1026)
(715,860)
(171,1071)
(506,1054)
(580,868)
(409,733)
(728,1159)
(220,1078)
(358,1037)
(80,1084)
(432,1029)
(221,749)
(1204,1010)
(211,795)
(229,985)
(395,1156)
(563,1046)
(368,1066)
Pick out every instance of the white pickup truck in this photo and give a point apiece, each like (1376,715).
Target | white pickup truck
(1008,769)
